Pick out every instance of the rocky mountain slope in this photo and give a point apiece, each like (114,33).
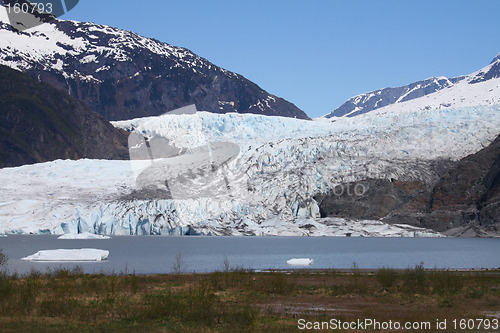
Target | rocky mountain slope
(373,100)
(464,201)
(122,75)
(39,123)
(468,195)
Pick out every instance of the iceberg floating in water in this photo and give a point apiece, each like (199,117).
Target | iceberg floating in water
(69,255)
(300,261)
(84,235)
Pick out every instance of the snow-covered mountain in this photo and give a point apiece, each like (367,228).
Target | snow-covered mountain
(234,173)
(269,178)
(122,75)
(373,100)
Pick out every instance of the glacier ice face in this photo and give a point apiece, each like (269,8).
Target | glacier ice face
(266,188)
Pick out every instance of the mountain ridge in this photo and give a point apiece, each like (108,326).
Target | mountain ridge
(122,75)
(496,58)
(380,98)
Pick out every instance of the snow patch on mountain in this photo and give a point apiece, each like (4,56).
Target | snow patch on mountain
(45,43)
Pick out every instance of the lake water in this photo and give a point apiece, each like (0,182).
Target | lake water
(157,254)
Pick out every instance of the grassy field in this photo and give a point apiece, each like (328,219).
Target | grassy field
(242,300)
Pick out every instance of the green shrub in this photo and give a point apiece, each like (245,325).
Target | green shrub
(445,302)
(444,283)
(359,284)
(195,305)
(415,280)
(278,283)
(386,277)
(3,259)
(58,307)
(5,287)
(62,272)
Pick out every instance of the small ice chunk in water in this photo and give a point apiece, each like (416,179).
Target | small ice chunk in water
(69,255)
(300,261)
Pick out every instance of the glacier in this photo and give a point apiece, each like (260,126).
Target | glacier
(266,188)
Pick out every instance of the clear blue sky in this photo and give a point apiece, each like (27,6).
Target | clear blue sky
(317,54)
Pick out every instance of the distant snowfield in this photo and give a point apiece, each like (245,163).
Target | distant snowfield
(266,189)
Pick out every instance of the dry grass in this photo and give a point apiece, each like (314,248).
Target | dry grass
(239,300)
